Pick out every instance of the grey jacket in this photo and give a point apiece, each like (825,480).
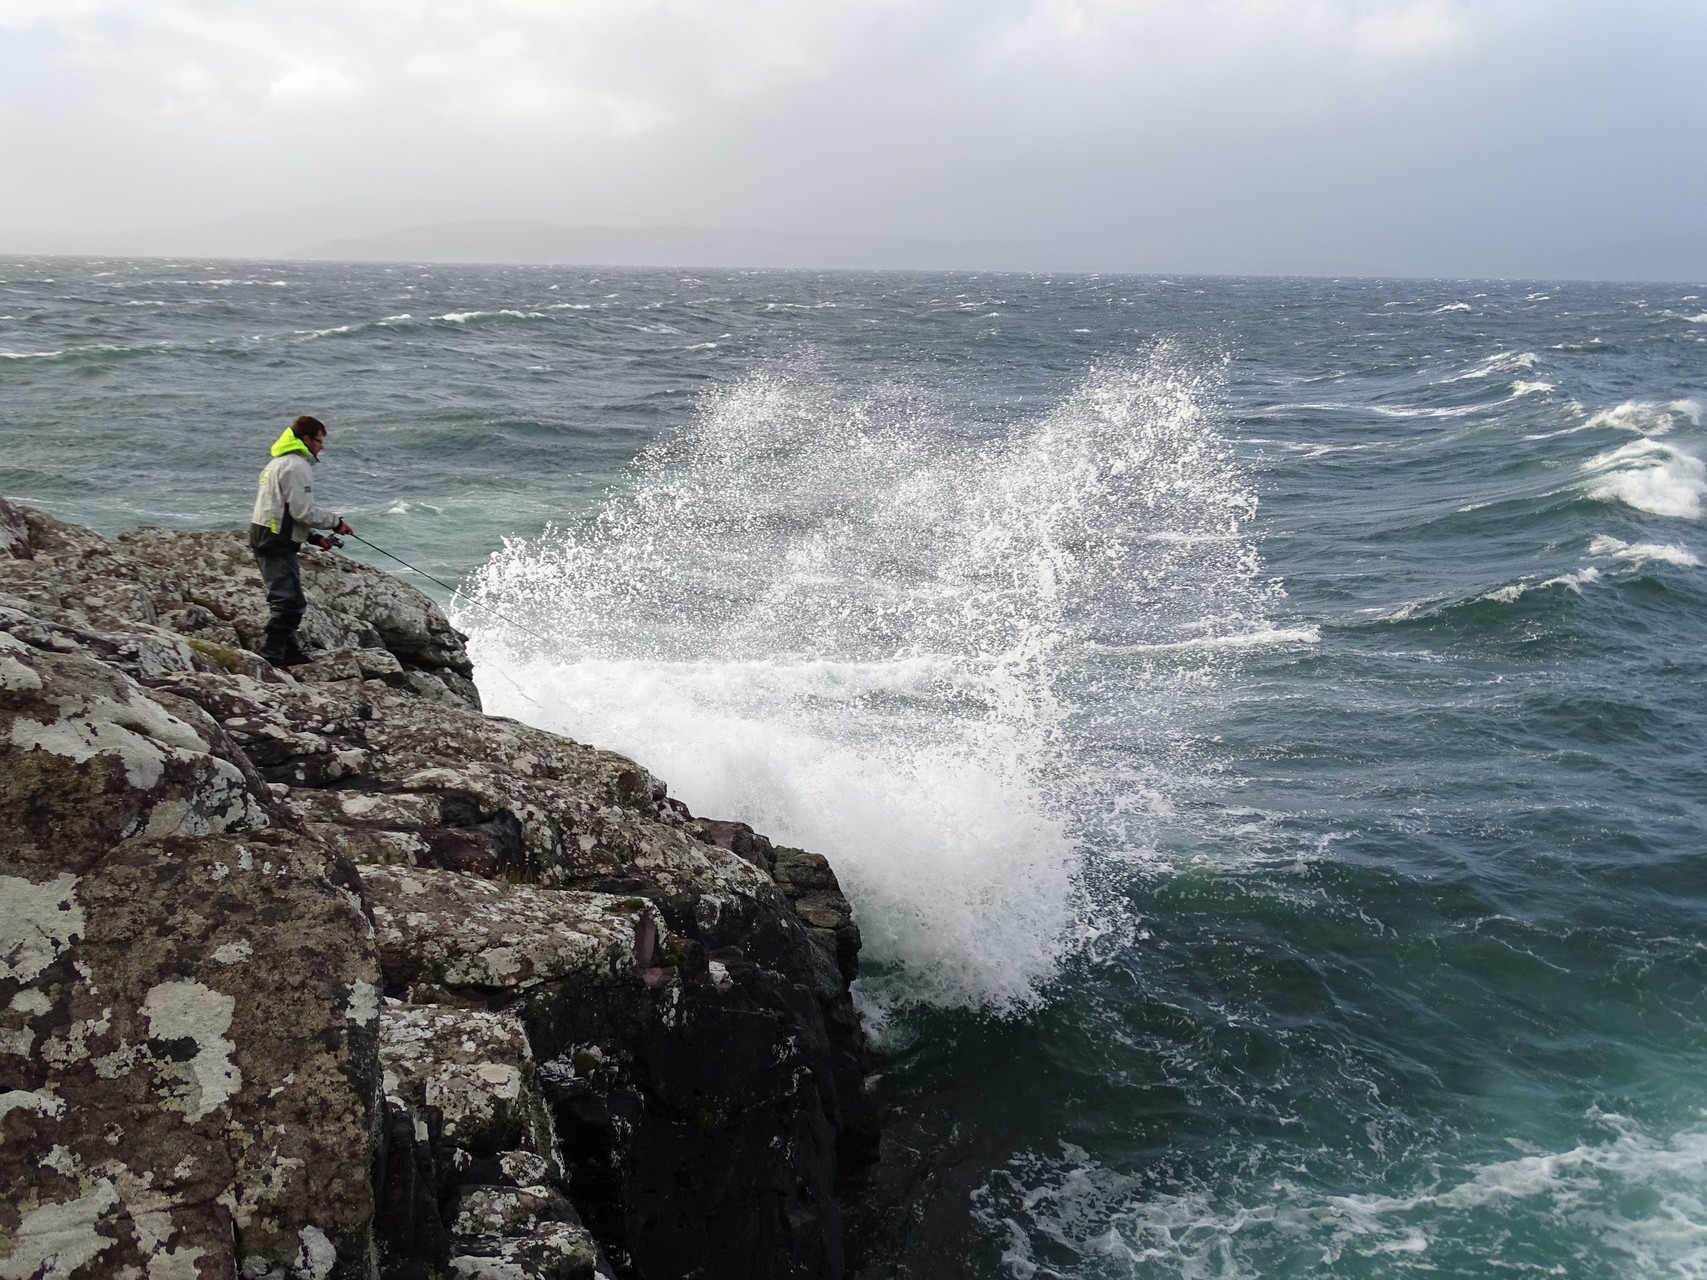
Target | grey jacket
(284,507)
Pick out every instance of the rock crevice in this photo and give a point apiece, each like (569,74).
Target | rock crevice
(328,974)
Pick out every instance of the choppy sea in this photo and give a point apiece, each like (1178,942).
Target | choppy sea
(1261,724)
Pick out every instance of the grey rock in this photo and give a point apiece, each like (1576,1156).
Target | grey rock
(447,929)
(189,1061)
(526,1169)
(14,533)
(552,1251)
(476,1070)
(88,758)
(508,1211)
(200,594)
(301,975)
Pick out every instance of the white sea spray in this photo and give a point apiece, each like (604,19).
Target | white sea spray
(858,624)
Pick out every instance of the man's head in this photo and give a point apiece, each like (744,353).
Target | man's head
(312,432)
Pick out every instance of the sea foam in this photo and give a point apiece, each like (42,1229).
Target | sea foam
(859,623)
(1636,1196)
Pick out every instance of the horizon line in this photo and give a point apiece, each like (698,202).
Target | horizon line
(303,256)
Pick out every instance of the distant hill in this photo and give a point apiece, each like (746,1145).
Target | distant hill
(358,231)
(544,242)
(367,231)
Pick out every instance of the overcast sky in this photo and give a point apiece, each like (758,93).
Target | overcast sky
(1375,136)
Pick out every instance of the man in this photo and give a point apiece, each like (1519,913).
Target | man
(284,512)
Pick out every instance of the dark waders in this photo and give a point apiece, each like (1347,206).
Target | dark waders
(286,604)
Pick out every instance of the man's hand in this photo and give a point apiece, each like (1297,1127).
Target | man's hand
(343,526)
(325,543)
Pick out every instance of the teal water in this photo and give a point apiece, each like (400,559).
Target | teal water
(1260,723)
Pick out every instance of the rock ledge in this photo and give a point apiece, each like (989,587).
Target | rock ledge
(327,974)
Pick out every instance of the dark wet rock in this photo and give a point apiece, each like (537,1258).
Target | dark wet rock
(739,839)
(812,888)
(329,975)
(673,1116)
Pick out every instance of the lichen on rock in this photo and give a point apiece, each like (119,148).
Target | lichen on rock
(328,975)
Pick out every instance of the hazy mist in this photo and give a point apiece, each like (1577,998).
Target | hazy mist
(1418,137)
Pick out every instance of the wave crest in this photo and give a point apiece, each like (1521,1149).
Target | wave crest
(1649,476)
(1641,553)
(1648,417)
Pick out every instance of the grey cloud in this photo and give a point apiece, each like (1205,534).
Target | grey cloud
(1395,136)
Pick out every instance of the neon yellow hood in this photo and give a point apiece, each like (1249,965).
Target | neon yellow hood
(289,442)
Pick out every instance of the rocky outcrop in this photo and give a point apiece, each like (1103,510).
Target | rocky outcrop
(327,974)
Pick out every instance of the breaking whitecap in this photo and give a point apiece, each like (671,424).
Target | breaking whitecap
(1648,417)
(1649,476)
(1640,553)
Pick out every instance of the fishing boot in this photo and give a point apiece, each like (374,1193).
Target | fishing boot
(289,654)
(295,654)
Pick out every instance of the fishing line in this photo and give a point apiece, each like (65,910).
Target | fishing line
(455,592)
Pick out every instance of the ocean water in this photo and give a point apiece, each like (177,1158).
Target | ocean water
(1261,724)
